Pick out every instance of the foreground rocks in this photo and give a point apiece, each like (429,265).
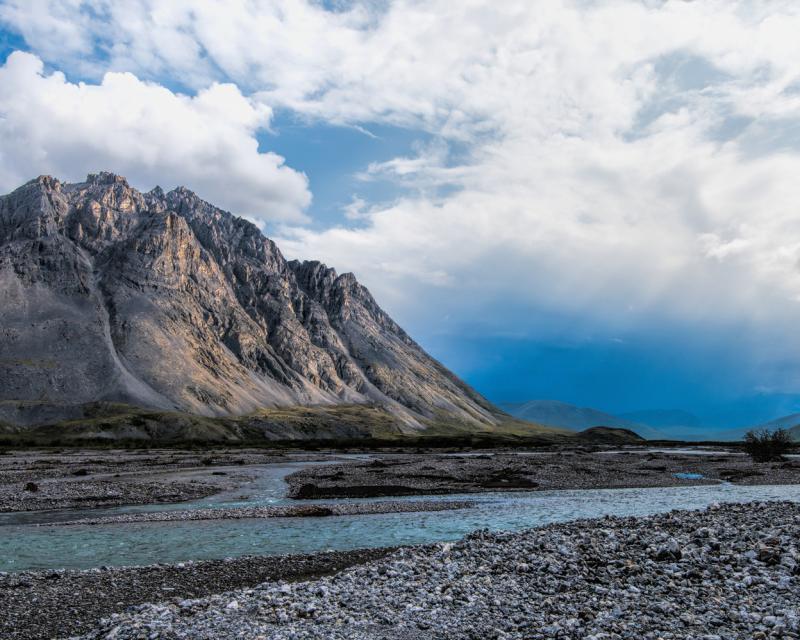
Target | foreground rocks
(58,604)
(726,572)
(567,469)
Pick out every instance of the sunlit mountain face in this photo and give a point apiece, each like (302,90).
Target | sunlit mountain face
(586,202)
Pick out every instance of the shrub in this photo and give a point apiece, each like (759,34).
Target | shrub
(763,445)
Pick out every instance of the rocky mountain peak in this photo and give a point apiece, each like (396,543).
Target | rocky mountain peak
(163,300)
(48,183)
(106,178)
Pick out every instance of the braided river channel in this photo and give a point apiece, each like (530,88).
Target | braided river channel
(26,544)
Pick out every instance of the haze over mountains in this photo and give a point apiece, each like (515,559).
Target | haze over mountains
(161,300)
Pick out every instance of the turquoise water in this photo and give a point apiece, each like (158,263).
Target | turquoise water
(26,546)
(689,476)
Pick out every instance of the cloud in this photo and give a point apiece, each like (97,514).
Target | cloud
(145,132)
(623,164)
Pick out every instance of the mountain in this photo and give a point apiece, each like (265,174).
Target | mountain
(570,416)
(116,301)
(609,435)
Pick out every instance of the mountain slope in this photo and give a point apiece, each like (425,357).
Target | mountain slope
(160,300)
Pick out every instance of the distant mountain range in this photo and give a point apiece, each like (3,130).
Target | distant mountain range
(157,315)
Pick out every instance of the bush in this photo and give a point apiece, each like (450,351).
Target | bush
(763,445)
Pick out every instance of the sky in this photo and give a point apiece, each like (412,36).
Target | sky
(594,202)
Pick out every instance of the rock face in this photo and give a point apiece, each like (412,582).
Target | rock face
(161,300)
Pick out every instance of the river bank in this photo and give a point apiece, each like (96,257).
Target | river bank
(38,480)
(542,471)
(88,479)
(725,572)
(60,604)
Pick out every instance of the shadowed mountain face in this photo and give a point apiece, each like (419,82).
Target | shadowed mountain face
(161,300)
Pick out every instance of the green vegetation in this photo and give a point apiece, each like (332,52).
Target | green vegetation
(335,426)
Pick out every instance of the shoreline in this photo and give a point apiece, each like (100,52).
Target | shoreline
(730,570)
(89,479)
(564,470)
(70,602)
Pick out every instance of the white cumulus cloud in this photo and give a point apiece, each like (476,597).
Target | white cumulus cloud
(145,132)
(628,162)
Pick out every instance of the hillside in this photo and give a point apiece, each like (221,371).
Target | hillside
(163,302)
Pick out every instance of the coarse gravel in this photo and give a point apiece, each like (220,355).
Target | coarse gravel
(726,572)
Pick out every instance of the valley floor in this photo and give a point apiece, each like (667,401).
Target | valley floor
(86,479)
(61,604)
(727,572)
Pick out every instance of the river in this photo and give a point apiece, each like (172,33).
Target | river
(24,544)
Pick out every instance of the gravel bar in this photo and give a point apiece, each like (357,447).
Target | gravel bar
(291,511)
(726,572)
(85,479)
(438,474)
(58,604)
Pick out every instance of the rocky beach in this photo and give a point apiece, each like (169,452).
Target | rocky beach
(32,480)
(729,572)
(291,511)
(61,604)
